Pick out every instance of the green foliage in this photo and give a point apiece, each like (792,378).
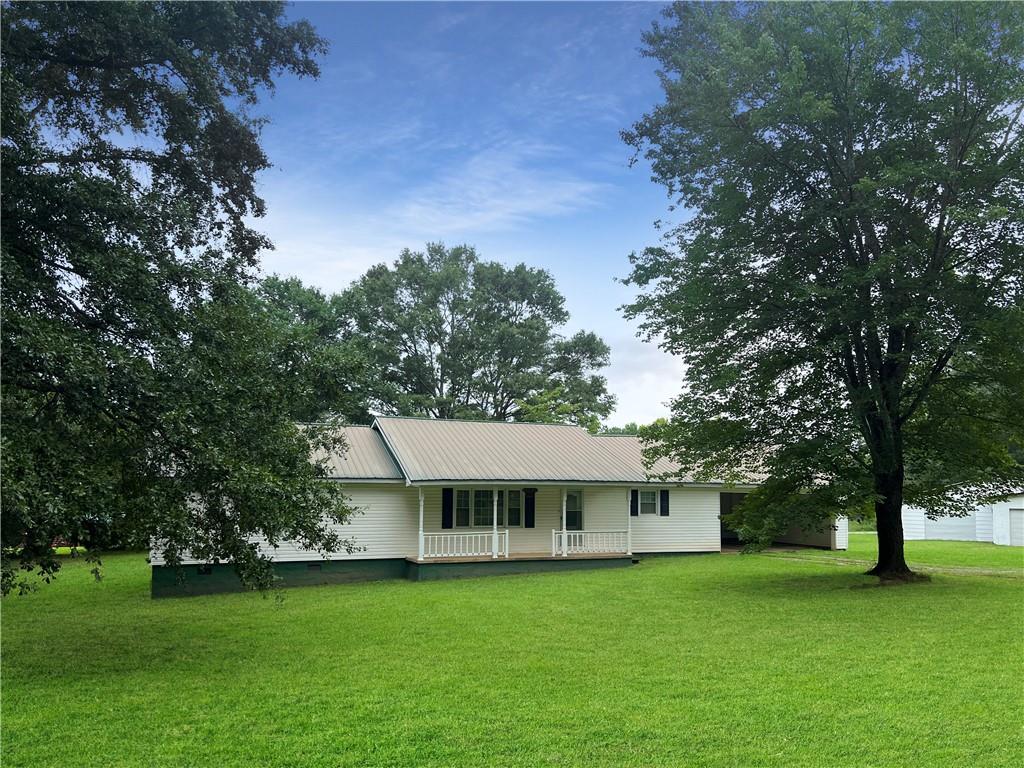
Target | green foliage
(338,373)
(847,292)
(147,395)
(552,406)
(631,428)
(448,335)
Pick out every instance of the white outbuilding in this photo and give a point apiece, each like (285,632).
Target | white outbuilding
(1001,522)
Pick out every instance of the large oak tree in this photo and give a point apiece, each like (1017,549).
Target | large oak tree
(846,288)
(147,395)
(448,335)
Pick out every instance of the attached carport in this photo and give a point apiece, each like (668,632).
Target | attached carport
(834,537)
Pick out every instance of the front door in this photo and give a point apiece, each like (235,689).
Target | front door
(574,510)
(726,501)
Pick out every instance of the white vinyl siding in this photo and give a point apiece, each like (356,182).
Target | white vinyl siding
(842,538)
(385,529)
(983,518)
(952,528)
(917,525)
(913,524)
(692,524)
(987,523)
(834,537)
(384,526)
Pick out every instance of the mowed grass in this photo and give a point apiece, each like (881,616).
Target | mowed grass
(956,555)
(709,660)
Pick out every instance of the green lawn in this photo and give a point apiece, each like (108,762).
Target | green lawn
(934,554)
(709,660)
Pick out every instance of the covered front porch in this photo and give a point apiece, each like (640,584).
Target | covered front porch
(478,524)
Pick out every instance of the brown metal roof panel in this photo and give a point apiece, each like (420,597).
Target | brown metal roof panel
(435,449)
(365,458)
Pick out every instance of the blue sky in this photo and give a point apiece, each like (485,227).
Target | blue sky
(495,125)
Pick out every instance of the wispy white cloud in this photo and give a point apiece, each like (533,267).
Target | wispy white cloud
(498,188)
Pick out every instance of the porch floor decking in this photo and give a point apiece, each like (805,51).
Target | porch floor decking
(519,556)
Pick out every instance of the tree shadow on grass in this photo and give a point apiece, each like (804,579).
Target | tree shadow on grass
(808,580)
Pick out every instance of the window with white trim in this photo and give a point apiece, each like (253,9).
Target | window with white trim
(483,508)
(474,507)
(648,502)
(461,509)
(515,508)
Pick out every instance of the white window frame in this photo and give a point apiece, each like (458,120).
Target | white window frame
(582,510)
(579,495)
(469,509)
(522,507)
(489,509)
(654,503)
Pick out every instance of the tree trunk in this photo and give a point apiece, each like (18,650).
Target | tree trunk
(889,524)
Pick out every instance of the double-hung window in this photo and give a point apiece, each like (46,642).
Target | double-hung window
(483,508)
(574,510)
(515,508)
(648,502)
(461,509)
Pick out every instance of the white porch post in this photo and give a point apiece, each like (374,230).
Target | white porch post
(494,530)
(565,529)
(420,554)
(629,522)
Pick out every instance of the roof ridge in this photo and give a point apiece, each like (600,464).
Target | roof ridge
(331,424)
(484,421)
(342,425)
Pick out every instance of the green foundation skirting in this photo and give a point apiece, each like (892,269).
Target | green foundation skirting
(434,571)
(213,579)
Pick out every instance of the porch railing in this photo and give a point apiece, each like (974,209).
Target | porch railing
(589,542)
(476,544)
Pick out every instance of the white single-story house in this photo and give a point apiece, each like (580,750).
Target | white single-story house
(999,523)
(439,498)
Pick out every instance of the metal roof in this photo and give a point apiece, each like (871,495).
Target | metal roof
(366,458)
(441,450)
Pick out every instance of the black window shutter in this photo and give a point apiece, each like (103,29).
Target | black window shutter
(664,502)
(634,502)
(447,504)
(529,507)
